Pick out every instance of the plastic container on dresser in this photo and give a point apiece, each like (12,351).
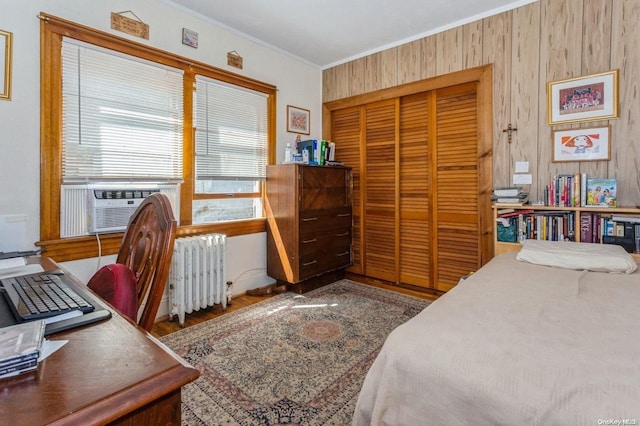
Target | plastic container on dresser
(619,225)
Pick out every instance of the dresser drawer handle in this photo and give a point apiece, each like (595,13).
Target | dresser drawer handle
(343,234)
(310,263)
(342,254)
(309,241)
(344,214)
(309,219)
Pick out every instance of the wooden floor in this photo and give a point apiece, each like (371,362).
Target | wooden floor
(165,327)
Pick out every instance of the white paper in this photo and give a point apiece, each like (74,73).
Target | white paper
(523,179)
(49,347)
(31,268)
(522,166)
(12,262)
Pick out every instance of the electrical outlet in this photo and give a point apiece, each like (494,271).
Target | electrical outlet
(14,218)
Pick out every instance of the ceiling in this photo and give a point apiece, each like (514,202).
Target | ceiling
(329,32)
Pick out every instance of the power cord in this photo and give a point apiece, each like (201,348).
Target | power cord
(99,251)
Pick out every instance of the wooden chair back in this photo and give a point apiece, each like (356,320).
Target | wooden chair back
(147,248)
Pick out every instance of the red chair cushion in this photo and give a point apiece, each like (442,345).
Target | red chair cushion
(116,284)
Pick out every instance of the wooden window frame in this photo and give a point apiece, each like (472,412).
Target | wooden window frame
(52,30)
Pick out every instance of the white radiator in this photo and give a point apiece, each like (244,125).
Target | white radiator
(197,278)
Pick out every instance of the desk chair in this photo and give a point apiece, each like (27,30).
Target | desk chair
(143,262)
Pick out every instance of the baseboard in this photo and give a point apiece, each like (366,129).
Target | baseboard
(421,292)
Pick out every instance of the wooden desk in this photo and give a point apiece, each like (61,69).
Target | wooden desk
(109,372)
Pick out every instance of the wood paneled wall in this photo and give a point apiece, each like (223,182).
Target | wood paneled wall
(529,46)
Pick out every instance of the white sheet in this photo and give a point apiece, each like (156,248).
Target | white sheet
(515,343)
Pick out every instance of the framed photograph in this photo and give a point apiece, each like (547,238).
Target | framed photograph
(190,38)
(594,97)
(298,120)
(6,42)
(592,144)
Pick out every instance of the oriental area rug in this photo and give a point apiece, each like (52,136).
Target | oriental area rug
(291,359)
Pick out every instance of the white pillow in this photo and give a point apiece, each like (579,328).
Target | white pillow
(580,256)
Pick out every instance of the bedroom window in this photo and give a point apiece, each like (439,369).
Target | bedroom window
(115,110)
(231,133)
(122,117)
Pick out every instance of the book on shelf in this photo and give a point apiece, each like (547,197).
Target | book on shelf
(20,346)
(564,190)
(510,204)
(622,230)
(507,191)
(519,200)
(583,189)
(513,212)
(625,218)
(601,192)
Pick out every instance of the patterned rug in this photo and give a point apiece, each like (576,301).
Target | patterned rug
(292,359)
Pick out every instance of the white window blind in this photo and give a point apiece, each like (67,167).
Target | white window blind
(122,117)
(231,132)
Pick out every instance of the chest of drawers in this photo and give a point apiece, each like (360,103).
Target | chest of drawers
(308,221)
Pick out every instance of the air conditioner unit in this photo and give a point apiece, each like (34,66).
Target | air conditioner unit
(110,208)
(95,208)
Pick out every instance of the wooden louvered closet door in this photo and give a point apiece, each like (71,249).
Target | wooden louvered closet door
(379,190)
(456,218)
(415,186)
(345,125)
(415,191)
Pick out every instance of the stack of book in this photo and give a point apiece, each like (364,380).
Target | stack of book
(565,190)
(573,190)
(20,347)
(512,195)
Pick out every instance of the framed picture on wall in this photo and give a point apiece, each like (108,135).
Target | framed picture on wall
(5,64)
(190,38)
(591,144)
(298,120)
(593,97)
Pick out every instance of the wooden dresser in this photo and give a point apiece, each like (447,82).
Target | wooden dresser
(309,221)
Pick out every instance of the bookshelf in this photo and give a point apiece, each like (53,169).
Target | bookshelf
(577,213)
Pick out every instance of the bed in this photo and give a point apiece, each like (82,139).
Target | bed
(516,343)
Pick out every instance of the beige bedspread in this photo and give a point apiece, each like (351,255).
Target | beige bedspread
(514,344)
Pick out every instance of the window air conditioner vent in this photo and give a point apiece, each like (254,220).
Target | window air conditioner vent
(111,209)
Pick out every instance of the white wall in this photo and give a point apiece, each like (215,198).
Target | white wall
(298,82)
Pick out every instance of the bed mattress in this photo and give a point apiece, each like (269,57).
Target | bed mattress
(515,343)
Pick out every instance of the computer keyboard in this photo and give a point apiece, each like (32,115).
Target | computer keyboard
(42,295)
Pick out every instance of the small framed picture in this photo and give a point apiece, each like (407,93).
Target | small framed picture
(5,64)
(190,38)
(594,97)
(592,144)
(298,120)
